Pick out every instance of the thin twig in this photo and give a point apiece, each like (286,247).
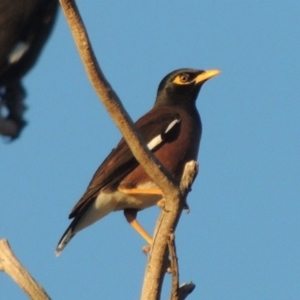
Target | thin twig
(174,267)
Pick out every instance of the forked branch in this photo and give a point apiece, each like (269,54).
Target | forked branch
(175,196)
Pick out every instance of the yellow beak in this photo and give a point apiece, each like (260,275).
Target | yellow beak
(206,75)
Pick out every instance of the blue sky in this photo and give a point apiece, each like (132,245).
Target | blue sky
(241,238)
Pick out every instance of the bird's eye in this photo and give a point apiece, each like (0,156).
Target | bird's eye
(184,78)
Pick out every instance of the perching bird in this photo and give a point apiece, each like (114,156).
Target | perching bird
(172,130)
(25,26)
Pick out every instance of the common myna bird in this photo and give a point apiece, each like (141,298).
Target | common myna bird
(25,26)
(172,130)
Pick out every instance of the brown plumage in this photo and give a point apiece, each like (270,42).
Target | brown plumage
(172,131)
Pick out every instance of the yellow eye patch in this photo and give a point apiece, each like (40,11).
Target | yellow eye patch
(182,79)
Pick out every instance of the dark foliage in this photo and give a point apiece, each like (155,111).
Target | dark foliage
(25,26)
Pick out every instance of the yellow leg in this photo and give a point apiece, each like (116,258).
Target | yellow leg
(130,215)
(141,191)
(160,203)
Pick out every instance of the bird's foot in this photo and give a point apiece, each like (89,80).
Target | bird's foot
(162,204)
(146,249)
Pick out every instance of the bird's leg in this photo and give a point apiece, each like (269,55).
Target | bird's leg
(141,191)
(130,215)
(160,203)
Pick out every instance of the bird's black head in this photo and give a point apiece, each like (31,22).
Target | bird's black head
(181,87)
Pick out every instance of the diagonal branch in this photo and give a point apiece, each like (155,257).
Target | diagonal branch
(175,196)
(174,266)
(12,267)
(112,102)
(165,225)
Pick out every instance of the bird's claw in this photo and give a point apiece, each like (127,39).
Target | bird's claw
(162,204)
(146,249)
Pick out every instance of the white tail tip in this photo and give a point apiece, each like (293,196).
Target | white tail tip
(65,239)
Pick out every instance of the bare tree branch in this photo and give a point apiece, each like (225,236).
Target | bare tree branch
(112,102)
(174,267)
(174,196)
(166,224)
(12,267)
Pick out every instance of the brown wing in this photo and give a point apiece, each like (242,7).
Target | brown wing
(121,161)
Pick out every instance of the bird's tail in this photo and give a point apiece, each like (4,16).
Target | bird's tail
(92,211)
(65,239)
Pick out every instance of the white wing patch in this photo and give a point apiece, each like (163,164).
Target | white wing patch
(171,125)
(159,138)
(18,51)
(154,142)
